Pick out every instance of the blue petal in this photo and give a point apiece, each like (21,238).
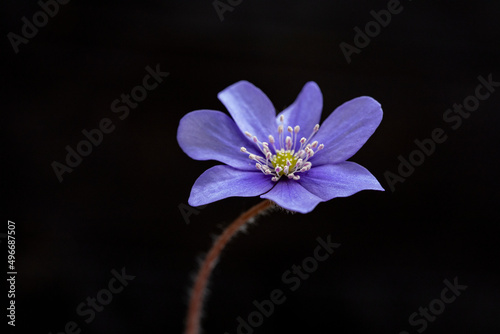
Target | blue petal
(212,135)
(220,182)
(290,195)
(250,108)
(347,129)
(339,180)
(305,111)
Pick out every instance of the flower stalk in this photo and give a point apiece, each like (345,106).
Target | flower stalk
(198,293)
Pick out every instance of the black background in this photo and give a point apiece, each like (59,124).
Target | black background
(120,206)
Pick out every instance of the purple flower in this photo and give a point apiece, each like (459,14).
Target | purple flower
(286,158)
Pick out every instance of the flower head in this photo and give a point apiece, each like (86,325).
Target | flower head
(287,158)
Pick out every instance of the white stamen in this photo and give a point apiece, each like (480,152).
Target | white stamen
(288,142)
(286,160)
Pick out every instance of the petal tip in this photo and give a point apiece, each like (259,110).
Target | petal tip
(235,85)
(371,100)
(312,84)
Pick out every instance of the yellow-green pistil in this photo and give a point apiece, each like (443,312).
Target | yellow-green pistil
(284,158)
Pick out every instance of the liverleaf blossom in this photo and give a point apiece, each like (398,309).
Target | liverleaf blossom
(287,158)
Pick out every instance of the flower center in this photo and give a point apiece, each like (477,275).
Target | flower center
(288,159)
(282,159)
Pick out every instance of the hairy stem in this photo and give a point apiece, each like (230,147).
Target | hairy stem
(198,292)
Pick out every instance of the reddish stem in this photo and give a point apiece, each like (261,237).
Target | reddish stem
(198,292)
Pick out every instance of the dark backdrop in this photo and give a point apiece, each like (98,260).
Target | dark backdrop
(119,208)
